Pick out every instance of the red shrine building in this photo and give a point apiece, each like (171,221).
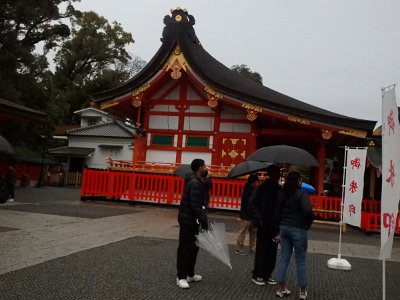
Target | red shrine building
(189,105)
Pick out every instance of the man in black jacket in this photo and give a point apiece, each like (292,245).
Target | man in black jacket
(192,213)
(263,213)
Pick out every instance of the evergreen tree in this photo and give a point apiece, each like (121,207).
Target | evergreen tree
(245,71)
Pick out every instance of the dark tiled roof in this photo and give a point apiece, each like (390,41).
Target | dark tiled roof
(75,151)
(222,78)
(21,111)
(115,129)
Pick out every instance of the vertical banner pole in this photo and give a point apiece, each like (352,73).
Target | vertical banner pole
(383,279)
(383,260)
(341,203)
(339,263)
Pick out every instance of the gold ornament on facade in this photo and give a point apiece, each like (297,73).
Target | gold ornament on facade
(178,18)
(213,97)
(326,134)
(223,153)
(212,92)
(299,120)
(140,89)
(137,100)
(212,101)
(252,111)
(251,115)
(108,104)
(356,133)
(176,70)
(233,154)
(176,62)
(177,51)
(252,107)
(234,141)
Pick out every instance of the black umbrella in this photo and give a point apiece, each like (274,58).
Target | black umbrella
(5,146)
(247,167)
(284,154)
(183,170)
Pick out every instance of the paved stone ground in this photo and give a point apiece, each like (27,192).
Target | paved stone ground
(56,247)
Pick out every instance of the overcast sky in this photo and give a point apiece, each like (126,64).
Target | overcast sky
(336,54)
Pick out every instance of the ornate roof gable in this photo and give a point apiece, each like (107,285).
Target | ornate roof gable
(182,51)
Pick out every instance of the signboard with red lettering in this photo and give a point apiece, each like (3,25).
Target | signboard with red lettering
(390,171)
(354,185)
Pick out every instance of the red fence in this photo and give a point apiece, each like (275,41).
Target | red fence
(225,194)
(155,188)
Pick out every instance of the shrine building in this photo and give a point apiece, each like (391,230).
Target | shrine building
(189,105)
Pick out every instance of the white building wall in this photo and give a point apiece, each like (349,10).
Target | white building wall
(192,95)
(233,113)
(187,157)
(200,109)
(160,156)
(89,113)
(163,122)
(234,127)
(98,158)
(164,108)
(199,123)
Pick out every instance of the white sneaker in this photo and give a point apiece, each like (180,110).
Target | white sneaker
(182,283)
(282,293)
(11,200)
(194,278)
(302,294)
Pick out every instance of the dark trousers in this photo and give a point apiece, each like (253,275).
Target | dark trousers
(187,250)
(10,190)
(265,258)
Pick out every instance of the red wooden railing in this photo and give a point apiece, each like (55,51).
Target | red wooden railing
(131,186)
(225,194)
(160,167)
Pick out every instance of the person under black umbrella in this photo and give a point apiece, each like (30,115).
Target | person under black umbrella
(263,204)
(245,218)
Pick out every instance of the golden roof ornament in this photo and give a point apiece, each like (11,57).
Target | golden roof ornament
(326,134)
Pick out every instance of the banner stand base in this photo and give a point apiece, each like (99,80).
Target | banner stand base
(339,264)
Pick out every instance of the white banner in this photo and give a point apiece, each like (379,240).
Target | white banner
(390,171)
(354,186)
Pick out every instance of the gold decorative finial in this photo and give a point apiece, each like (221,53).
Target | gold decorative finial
(326,134)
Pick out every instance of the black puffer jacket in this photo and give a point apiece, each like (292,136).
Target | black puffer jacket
(295,210)
(193,203)
(245,210)
(262,205)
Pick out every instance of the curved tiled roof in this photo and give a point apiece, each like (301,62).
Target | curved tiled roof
(218,76)
(75,151)
(115,129)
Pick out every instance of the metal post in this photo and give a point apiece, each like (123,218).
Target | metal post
(339,263)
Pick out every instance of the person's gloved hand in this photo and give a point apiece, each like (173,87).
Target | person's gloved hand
(204,225)
(203,220)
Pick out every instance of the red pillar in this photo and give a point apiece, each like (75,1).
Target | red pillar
(139,151)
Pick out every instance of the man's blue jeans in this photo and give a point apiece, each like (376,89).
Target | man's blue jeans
(297,238)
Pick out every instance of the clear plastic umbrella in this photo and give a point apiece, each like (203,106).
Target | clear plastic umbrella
(214,242)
